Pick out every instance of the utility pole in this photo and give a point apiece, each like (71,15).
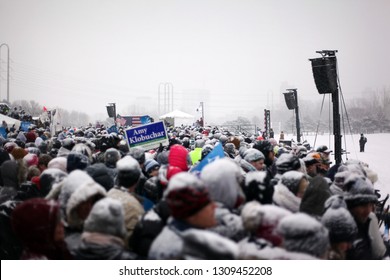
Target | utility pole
(5,45)
(202,105)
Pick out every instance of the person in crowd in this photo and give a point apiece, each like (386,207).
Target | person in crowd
(362,142)
(129,173)
(104,233)
(341,226)
(36,222)
(304,234)
(289,190)
(360,198)
(314,197)
(190,207)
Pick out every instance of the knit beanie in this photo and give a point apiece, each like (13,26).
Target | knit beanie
(359,191)
(18,153)
(262,220)
(107,217)
(304,234)
(76,160)
(150,164)
(251,155)
(178,157)
(338,220)
(101,174)
(129,171)
(292,179)
(186,195)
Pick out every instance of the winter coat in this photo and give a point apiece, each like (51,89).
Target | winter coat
(368,244)
(315,196)
(168,245)
(131,206)
(148,228)
(284,198)
(252,248)
(229,224)
(98,246)
(10,246)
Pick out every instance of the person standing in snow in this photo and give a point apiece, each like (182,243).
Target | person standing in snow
(362,142)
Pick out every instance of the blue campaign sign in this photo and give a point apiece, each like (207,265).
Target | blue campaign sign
(147,136)
(24,126)
(215,154)
(112,129)
(3,132)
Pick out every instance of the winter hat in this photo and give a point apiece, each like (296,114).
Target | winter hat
(291,180)
(257,187)
(287,162)
(312,158)
(83,149)
(10,146)
(252,155)
(303,233)
(101,174)
(88,191)
(178,157)
(338,220)
(186,195)
(162,158)
(76,160)
(129,171)
(18,153)
(340,177)
(107,217)
(206,150)
(49,178)
(222,177)
(138,154)
(69,185)
(323,149)
(207,245)
(150,164)
(31,160)
(199,143)
(230,149)
(111,156)
(34,221)
(262,220)
(58,163)
(359,191)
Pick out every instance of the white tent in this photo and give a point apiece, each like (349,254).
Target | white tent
(178,118)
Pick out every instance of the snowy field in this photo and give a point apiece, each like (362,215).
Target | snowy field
(376,155)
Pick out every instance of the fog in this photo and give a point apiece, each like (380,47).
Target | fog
(236,56)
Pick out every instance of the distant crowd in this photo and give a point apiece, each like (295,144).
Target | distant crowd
(209,194)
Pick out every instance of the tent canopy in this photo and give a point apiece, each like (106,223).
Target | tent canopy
(176,114)
(177,118)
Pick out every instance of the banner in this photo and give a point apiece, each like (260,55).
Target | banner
(112,129)
(3,132)
(148,136)
(215,154)
(24,126)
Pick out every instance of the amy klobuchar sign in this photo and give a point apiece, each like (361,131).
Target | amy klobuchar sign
(148,136)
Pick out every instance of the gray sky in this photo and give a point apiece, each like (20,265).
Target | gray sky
(235,55)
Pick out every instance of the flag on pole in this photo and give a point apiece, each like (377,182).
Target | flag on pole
(44,109)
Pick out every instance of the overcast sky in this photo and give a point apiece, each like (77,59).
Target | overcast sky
(234,55)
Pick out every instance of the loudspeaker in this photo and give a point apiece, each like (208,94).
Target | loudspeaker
(325,74)
(111,111)
(291,102)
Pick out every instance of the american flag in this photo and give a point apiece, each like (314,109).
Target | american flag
(139,120)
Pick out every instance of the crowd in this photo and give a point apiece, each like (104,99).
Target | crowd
(83,194)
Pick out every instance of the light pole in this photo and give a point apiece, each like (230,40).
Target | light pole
(6,45)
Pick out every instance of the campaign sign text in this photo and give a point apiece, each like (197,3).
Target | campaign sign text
(147,136)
